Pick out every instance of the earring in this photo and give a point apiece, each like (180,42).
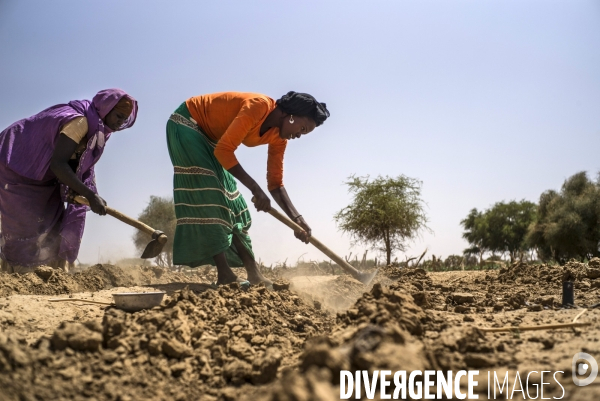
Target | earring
(291,119)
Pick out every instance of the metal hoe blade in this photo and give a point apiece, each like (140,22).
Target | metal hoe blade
(155,247)
(366,278)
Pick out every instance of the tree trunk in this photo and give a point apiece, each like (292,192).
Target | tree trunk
(388,248)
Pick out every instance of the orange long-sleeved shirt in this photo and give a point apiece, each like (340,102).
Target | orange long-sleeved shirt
(233,118)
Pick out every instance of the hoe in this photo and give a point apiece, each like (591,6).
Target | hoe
(363,277)
(159,239)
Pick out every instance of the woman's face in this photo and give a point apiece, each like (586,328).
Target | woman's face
(115,119)
(300,126)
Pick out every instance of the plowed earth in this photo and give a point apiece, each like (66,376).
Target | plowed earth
(289,343)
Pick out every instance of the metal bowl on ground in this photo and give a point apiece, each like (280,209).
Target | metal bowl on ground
(136,301)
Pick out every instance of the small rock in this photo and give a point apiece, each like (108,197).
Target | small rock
(174,349)
(178,368)
(7,318)
(257,340)
(548,343)
(583,285)
(463,297)
(242,350)
(154,346)
(77,337)
(234,286)
(281,285)
(462,309)
(517,300)
(265,367)
(110,356)
(88,341)
(547,301)
(237,372)
(593,273)
(44,272)
(594,263)
(421,298)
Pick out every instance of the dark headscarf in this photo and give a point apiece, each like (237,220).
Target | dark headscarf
(303,104)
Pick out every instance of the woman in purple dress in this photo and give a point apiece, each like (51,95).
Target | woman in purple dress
(43,160)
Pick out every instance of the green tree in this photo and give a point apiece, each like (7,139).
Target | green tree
(476,233)
(501,229)
(385,213)
(508,224)
(454,262)
(160,215)
(568,223)
(535,235)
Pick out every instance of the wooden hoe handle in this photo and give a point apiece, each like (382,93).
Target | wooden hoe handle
(120,216)
(318,244)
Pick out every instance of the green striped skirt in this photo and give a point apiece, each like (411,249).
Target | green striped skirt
(209,208)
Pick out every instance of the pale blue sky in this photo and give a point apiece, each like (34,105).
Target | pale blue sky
(483,101)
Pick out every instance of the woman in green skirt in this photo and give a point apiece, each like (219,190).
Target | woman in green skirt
(212,216)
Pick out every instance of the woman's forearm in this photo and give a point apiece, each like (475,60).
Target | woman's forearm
(261,200)
(240,174)
(59,164)
(283,200)
(65,174)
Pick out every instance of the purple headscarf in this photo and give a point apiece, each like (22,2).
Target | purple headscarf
(74,218)
(26,148)
(34,138)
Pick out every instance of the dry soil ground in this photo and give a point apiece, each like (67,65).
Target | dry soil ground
(289,343)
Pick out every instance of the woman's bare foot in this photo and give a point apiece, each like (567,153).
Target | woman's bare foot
(255,277)
(226,277)
(224,273)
